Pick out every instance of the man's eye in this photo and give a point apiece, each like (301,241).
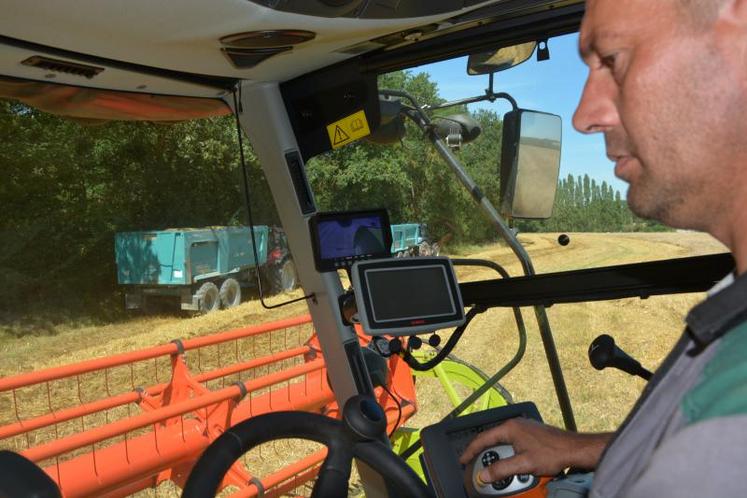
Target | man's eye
(609,61)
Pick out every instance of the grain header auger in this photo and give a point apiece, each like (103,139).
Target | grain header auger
(300,78)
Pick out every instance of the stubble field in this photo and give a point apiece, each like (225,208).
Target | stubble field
(645,328)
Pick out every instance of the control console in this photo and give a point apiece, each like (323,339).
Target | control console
(444,443)
(511,485)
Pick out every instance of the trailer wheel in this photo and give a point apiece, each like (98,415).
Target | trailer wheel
(283,277)
(208,297)
(230,293)
(427,249)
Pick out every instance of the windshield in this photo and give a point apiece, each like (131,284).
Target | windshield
(590,211)
(118,236)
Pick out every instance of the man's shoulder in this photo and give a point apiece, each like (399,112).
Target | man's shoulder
(722,388)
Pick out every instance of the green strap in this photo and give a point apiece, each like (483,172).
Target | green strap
(722,389)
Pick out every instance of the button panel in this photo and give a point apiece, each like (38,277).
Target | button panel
(505,487)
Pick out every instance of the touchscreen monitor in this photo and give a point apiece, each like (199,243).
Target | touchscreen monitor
(407,296)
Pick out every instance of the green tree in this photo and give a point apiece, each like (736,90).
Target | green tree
(68,188)
(599,208)
(410,179)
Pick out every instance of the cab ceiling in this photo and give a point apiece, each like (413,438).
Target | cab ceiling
(174,47)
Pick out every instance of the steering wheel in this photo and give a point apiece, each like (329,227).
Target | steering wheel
(358,435)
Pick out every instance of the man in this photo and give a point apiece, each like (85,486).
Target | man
(667,86)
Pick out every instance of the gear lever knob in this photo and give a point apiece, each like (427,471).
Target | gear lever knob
(604,353)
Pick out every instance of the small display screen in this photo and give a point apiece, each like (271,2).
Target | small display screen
(342,238)
(407,293)
(351,237)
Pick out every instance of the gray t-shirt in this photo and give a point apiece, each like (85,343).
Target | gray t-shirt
(687,435)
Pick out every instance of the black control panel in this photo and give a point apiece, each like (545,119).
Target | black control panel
(444,443)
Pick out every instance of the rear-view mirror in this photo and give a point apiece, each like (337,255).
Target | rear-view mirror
(499,60)
(530,163)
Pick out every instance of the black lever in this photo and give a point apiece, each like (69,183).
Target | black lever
(604,353)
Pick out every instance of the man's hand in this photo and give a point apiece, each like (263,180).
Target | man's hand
(539,449)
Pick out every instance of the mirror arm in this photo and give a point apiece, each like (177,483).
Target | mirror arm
(490,96)
(418,115)
(453,103)
(421,119)
(503,95)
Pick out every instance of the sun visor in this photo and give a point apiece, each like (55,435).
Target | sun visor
(92,104)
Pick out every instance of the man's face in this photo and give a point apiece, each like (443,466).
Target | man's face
(664,97)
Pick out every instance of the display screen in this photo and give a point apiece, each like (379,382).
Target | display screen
(407,293)
(341,238)
(406,296)
(351,237)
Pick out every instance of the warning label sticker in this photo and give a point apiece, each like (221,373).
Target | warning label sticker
(348,129)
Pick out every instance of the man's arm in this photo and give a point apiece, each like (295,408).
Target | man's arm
(539,449)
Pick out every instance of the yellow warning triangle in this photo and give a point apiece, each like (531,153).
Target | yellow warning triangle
(340,136)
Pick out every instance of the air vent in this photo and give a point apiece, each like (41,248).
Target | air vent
(58,66)
(245,58)
(268,39)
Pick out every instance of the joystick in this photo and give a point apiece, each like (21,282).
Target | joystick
(446,441)
(510,485)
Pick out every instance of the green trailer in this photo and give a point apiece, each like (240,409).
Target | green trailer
(411,239)
(204,268)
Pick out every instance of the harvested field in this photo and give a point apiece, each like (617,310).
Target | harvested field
(644,328)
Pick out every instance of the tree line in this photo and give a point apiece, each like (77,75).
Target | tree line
(67,189)
(583,205)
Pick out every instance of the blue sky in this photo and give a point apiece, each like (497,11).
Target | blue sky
(551,86)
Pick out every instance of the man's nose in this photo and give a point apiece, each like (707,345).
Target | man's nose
(597,110)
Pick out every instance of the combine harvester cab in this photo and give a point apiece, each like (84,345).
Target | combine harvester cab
(300,78)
